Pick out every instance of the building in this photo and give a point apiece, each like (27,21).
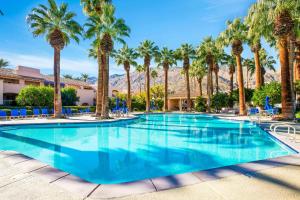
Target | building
(13,80)
(178,101)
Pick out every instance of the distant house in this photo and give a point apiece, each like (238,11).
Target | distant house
(13,80)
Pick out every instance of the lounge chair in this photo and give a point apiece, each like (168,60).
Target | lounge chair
(3,114)
(69,111)
(36,112)
(23,113)
(45,112)
(124,109)
(14,113)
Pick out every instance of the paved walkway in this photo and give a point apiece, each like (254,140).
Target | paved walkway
(24,178)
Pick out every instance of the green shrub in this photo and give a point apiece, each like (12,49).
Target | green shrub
(298,115)
(69,96)
(139,102)
(248,95)
(272,90)
(200,104)
(35,96)
(220,100)
(43,96)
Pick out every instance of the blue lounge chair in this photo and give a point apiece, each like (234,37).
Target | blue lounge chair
(68,111)
(253,111)
(3,114)
(14,113)
(45,112)
(36,112)
(124,109)
(116,110)
(269,110)
(88,110)
(23,113)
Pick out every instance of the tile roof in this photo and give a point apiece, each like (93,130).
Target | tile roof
(11,73)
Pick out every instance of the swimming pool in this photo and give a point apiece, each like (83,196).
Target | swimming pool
(151,146)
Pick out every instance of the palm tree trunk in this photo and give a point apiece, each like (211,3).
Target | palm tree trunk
(101,64)
(166,89)
(258,74)
(200,86)
(241,85)
(127,69)
(105,100)
(217,81)
(297,61)
(57,93)
(247,77)
(231,83)
(147,65)
(209,83)
(286,93)
(188,89)
(212,82)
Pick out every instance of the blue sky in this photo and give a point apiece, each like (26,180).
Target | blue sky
(167,22)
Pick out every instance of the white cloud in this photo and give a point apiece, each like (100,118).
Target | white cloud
(46,63)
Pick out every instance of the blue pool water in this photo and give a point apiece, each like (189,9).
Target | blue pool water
(151,146)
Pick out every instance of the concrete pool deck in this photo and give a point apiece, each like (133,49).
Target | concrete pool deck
(24,178)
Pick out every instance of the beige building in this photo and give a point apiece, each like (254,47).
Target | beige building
(13,80)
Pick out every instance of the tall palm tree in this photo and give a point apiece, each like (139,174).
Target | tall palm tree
(230,62)
(154,75)
(166,59)
(185,53)
(140,69)
(85,77)
(267,63)
(57,24)
(147,50)
(3,63)
(250,69)
(235,35)
(106,29)
(199,71)
(278,19)
(126,56)
(207,51)
(68,76)
(93,7)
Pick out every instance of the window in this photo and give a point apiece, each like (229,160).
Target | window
(11,81)
(32,83)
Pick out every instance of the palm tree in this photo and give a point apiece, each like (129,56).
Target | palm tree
(105,29)
(199,71)
(57,23)
(277,19)
(166,59)
(126,57)
(235,35)
(3,63)
(68,76)
(140,69)
(207,51)
(93,7)
(147,50)
(230,62)
(85,77)
(250,69)
(154,75)
(185,53)
(267,62)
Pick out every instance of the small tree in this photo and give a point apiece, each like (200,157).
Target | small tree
(200,104)
(220,100)
(69,96)
(272,90)
(35,96)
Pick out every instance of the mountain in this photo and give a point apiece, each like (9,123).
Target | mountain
(177,83)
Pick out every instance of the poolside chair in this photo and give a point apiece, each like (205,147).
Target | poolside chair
(116,110)
(36,112)
(253,111)
(3,114)
(88,110)
(69,111)
(268,109)
(23,113)
(124,109)
(45,112)
(14,113)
